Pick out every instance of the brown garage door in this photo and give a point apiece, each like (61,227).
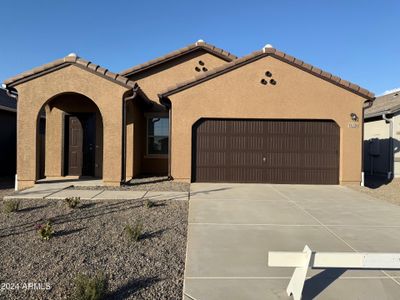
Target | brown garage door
(270,151)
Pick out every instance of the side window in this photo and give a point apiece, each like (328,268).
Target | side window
(157,135)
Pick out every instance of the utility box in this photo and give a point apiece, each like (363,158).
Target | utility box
(374,147)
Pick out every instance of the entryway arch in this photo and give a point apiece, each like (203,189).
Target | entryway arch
(71,141)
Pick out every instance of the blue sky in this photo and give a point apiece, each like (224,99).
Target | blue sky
(356,40)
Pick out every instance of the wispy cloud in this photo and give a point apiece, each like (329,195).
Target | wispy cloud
(391,91)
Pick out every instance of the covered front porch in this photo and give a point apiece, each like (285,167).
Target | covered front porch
(78,121)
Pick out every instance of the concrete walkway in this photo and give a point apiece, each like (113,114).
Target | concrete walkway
(232,228)
(56,190)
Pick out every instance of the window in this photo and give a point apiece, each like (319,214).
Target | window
(157,135)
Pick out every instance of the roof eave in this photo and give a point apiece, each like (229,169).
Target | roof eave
(227,56)
(377,114)
(65,62)
(278,55)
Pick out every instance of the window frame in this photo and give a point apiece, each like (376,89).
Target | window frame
(151,116)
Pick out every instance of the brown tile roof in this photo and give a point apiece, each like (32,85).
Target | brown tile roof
(66,61)
(225,55)
(274,53)
(389,104)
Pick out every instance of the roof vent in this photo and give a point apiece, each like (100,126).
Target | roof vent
(199,41)
(267,46)
(72,55)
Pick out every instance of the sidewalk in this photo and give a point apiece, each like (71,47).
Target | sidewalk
(56,190)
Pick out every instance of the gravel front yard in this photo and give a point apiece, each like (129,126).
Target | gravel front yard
(381,189)
(6,187)
(91,239)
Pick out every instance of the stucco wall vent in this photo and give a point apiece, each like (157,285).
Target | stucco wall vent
(201,66)
(265,81)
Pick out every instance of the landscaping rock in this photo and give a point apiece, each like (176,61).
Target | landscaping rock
(91,239)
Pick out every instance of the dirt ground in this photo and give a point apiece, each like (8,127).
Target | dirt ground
(92,239)
(381,188)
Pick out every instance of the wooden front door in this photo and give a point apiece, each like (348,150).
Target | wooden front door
(80,144)
(75,146)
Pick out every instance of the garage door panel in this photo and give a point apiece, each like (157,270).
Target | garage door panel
(275,151)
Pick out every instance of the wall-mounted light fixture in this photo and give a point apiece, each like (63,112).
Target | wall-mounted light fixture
(354,117)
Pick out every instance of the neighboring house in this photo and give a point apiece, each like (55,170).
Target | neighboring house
(8,143)
(196,114)
(382,136)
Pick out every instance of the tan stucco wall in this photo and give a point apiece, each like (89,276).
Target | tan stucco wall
(35,93)
(239,94)
(135,139)
(157,79)
(152,82)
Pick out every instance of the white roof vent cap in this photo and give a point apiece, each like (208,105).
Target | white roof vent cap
(267,46)
(72,55)
(199,41)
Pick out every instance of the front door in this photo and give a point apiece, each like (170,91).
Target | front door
(75,146)
(80,144)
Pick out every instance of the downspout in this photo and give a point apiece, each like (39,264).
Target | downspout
(167,104)
(369,104)
(169,143)
(390,121)
(13,94)
(123,158)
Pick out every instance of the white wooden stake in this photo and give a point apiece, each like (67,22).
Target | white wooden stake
(301,261)
(296,283)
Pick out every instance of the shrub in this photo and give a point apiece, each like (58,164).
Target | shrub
(134,233)
(72,202)
(149,204)
(90,288)
(45,231)
(10,206)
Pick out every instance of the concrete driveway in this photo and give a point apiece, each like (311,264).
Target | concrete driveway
(233,226)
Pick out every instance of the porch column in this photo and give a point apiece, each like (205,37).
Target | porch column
(54,142)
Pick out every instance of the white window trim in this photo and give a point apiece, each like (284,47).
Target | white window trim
(147,117)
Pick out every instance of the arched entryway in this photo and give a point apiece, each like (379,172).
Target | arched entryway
(70,138)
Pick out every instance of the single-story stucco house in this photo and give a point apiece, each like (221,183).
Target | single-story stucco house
(196,114)
(382,136)
(8,134)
